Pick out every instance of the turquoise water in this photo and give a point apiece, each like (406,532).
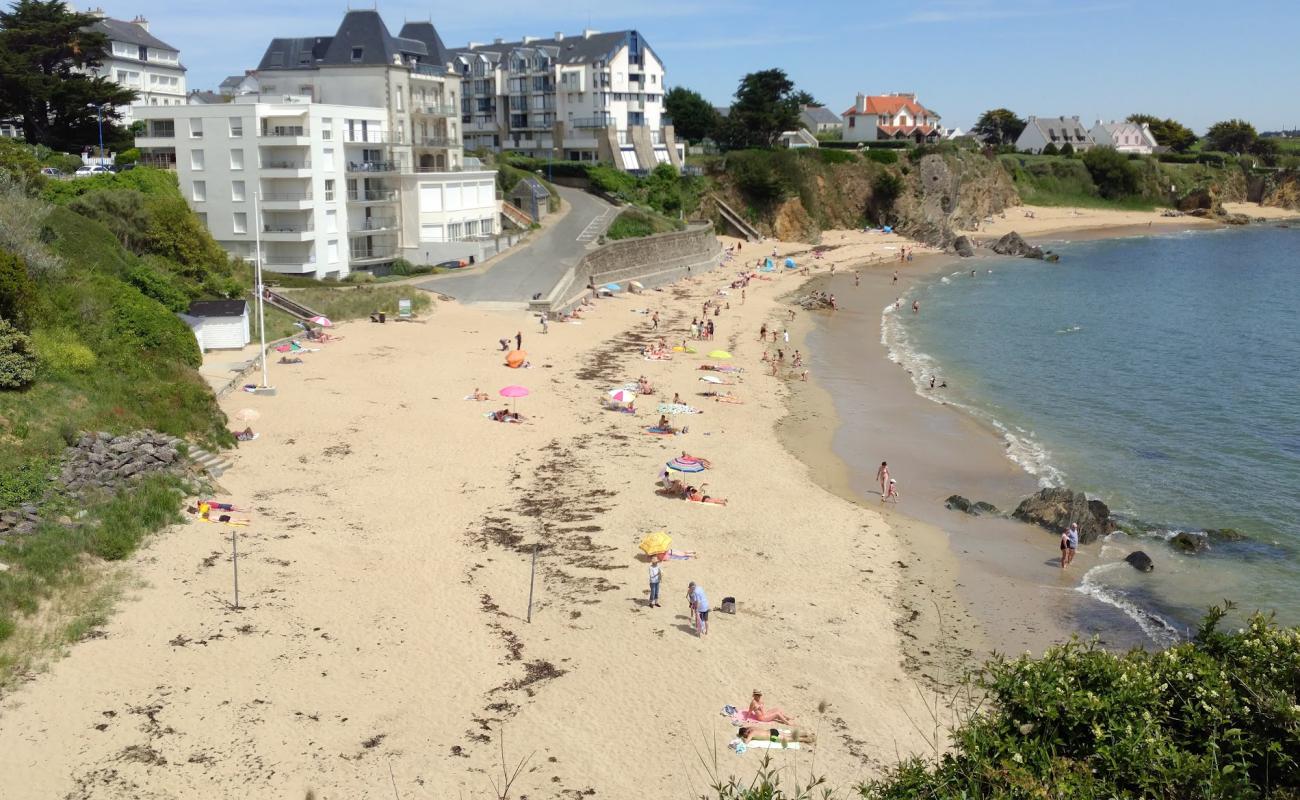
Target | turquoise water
(1160,374)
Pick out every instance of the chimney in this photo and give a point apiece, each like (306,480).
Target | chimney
(498,41)
(559,36)
(588,32)
(141,21)
(529,39)
(861,103)
(473,45)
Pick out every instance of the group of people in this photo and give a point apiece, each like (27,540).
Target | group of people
(702,329)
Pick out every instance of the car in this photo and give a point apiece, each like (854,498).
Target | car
(92,169)
(122,167)
(52,172)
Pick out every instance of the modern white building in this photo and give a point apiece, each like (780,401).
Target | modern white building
(1126,137)
(890,116)
(136,59)
(354,145)
(1039,132)
(587,97)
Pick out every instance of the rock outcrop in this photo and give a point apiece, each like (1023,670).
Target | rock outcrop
(1013,244)
(963,246)
(958,503)
(1185,542)
(1140,561)
(1054,509)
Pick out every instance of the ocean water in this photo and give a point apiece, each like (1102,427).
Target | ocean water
(1160,374)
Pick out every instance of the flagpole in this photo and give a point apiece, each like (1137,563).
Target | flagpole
(261,288)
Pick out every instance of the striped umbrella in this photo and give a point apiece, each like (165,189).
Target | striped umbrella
(622,396)
(685,464)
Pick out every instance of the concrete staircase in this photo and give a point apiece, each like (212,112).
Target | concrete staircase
(736,221)
(286,305)
(516,217)
(210,463)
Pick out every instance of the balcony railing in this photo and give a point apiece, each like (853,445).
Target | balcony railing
(157,163)
(437,141)
(367,195)
(437,109)
(376,224)
(374,137)
(360,252)
(160,133)
(372,166)
(598,121)
(286,197)
(283,130)
(284,227)
(286,165)
(429,69)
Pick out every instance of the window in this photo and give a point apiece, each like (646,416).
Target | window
(237,191)
(430,197)
(332,248)
(471,228)
(431,233)
(853,122)
(241,222)
(328,154)
(357,53)
(453,197)
(454,232)
(196,160)
(331,221)
(400,97)
(200,191)
(329,190)
(236,127)
(236,160)
(277,58)
(196,128)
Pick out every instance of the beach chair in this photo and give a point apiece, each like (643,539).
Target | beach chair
(404,310)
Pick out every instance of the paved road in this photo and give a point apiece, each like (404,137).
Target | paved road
(538,265)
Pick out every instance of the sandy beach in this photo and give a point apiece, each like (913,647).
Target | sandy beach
(384,581)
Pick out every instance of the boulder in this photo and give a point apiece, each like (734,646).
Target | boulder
(963,246)
(1140,561)
(1012,244)
(1185,542)
(1225,534)
(984,508)
(1055,508)
(1052,257)
(958,503)
(1236,219)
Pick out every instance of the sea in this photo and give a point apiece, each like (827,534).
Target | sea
(1160,374)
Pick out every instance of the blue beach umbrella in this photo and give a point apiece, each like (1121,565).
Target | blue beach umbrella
(613,287)
(789,263)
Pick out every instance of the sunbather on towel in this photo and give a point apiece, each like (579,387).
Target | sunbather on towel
(698,496)
(704,462)
(287,360)
(246,435)
(776,735)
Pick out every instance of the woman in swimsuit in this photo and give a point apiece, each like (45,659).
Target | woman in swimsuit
(698,496)
(759,712)
(772,734)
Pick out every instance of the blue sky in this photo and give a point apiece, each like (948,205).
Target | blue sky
(1196,61)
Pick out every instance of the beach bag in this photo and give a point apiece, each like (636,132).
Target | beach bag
(728,605)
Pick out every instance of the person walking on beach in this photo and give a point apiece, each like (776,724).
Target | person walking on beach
(655,575)
(654,321)
(519,340)
(541,318)
(1069,544)
(786,334)
(762,332)
(882,475)
(916,306)
(892,492)
(857,278)
(896,274)
(699,609)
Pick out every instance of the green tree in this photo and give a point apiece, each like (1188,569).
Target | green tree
(17,359)
(1232,136)
(47,53)
(766,105)
(1167,132)
(1266,149)
(885,191)
(998,126)
(17,290)
(803,98)
(1111,171)
(1051,149)
(1067,150)
(693,117)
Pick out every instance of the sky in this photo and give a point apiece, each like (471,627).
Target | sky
(1198,62)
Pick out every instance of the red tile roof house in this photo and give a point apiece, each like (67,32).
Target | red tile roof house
(890,116)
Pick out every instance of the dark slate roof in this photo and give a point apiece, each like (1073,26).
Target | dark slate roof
(231,82)
(290,53)
(364,29)
(118,30)
(207,98)
(218,308)
(437,52)
(821,115)
(569,50)
(530,186)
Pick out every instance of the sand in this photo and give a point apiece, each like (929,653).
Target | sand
(1050,221)
(384,581)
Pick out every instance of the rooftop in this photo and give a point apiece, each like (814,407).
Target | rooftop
(135,33)
(362,39)
(578,49)
(218,308)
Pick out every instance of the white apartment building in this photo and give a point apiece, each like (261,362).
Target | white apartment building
(590,97)
(136,59)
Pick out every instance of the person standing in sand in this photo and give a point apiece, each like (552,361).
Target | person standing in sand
(654,321)
(882,475)
(857,278)
(916,306)
(699,609)
(519,340)
(1069,544)
(762,332)
(656,574)
(896,274)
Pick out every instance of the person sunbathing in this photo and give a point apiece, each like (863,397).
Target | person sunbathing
(677,399)
(698,496)
(287,360)
(761,713)
(480,396)
(663,424)
(673,487)
(246,435)
(703,462)
(643,386)
(775,735)
(728,397)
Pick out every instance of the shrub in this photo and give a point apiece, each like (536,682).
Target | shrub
(634,222)
(17,359)
(755,175)
(130,516)
(20,162)
(1051,149)
(885,190)
(140,324)
(24,482)
(1111,171)
(1067,150)
(22,220)
(829,156)
(122,211)
(17,291)
(61,352)
(360,276)
(152,279)
(881,156)
(128,156)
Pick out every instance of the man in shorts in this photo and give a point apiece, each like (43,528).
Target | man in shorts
(1069,544)
(700,604)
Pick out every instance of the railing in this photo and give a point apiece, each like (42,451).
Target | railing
(157,163)
(286,164)
(376,224)
(282,228)
(363,195)
(437,109)
(599,121)
(285,196)
(428,69)
(160,133)
(372,166)
(283,130)
(362,253)
(436,141)
(374,137)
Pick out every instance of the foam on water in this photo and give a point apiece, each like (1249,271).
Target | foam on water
(1157,628)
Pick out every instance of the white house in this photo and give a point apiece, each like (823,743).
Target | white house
(1126,137)
(219,324)
(1060,131)
(890,116)
(136,59)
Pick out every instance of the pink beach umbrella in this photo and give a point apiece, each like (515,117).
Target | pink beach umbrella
(513,392)
(623,396)
(322,321)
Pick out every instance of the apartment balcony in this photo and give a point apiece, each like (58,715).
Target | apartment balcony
(157,137)
(286,201)
(429,70)
(373,137)
(365,196)
(371,225)
(371,167)
(436,110)
(437,141)
(288,265)
(284,135)
(598,121)
(159,161)
(288,232)
(366,253)
(286,169)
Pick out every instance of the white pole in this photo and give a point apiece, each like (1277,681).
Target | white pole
(261,290)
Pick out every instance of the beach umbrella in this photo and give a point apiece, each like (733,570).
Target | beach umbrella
(613,287)
(657,543)
(516,358)
(622,396)
(637,286)
(711,378)
(685,464)
(789,263)
(247,414)
(514,393)
(322,321)
(720,354)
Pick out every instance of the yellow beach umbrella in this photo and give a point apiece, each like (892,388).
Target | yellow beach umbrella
(720,354)
(656,543)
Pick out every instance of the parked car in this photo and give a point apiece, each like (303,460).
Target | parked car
(52,172)
(92,169)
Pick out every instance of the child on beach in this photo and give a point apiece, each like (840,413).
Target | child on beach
(892,492)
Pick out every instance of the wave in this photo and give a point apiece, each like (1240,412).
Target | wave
(1070,329)
(1158,629)
(1021,446)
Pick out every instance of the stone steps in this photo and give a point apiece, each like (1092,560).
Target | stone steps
(210,463)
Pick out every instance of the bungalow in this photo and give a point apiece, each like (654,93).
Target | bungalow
(819,119)
(890,116)
(1039,132)
(219,324)
(1126,137)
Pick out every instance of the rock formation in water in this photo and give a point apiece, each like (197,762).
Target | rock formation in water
(1013,244)
(1140,561)
(1055,509)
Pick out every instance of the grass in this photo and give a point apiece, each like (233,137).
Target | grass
(358,302)
(633,223)
(60,583)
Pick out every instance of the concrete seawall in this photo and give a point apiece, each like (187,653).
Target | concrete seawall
(651,260)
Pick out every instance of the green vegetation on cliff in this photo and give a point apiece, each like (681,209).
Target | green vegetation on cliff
(635,222)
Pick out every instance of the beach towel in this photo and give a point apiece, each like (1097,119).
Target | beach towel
(764,744)
(678,555)
(677,408)
(657,431)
